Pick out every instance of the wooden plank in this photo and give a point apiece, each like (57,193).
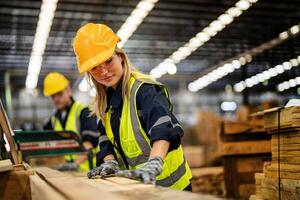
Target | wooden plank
(4,123)
(231,177)
(287,159)
(46,172)
(5,165)
(289,117)
(75,188)
(41,190)
(251,164)
(246,190)
(67,186)
(245,147)
(15,184)
(290,189)
(287,171)
(194,155)
(235,128)
(208,180)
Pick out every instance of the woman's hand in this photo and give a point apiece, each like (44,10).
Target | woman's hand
(153,167)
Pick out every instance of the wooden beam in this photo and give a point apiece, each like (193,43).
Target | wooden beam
(5,125)
(5,165)
(245,147)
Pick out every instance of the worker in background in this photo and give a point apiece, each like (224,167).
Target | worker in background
(73,116)
(140,138)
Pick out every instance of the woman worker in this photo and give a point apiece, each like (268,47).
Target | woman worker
(140,138)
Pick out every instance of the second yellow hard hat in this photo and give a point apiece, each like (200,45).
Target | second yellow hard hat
(93,45)
(54,82)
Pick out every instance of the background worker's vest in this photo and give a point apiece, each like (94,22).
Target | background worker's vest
(73,124)
(135,144)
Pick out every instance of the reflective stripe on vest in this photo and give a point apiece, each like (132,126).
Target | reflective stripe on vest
(73,124)
(73,119)
(136,145)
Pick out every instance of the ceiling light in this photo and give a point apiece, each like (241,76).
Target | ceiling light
(297,79)
(295,29)
(267,74)
(83,85)
(294,62)
(292,83)
(287,65)
(236,64)
(225,19)
(234,12)
(284,35)
(243,4)
(216,25)
(135,18)
(203,37)
(210,31)
(228,106)
(43,28)
(279,69)
(242,60)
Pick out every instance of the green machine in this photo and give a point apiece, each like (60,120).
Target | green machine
(47,143)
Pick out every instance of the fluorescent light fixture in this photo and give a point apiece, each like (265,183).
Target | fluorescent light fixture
(288,84)
(206,34)
(266,75)
(83,85)
(284,35)
(136,17)
(228,106)
(232,64)
(44,24)
(243,4)
(295,29)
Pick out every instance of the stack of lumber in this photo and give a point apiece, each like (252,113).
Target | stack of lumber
(21,182)
(14,181)
(194,155)
(244,147)
(284,169)
(49,183)
(209,180)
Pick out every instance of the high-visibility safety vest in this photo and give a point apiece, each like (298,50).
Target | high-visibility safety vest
(135,144)
(72,124)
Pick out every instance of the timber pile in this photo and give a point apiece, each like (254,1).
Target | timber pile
(244,147)
(284,168)
(14,181)
(49,182)
(21,182)
(194,155)
(208,180)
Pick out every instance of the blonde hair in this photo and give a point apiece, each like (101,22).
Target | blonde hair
(98,104)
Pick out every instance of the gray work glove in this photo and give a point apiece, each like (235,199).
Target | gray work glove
(146,173)
(106,168)
(70,166)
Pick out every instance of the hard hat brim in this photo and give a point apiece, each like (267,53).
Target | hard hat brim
(97,60)
(55,90)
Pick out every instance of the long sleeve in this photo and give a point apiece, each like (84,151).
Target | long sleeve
(88,127)
(48,125)
(106,146)
(156,118)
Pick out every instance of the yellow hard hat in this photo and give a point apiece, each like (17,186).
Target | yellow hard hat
(93,45)
(54,82)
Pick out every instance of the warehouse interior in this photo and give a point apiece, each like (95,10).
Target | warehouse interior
(231,68)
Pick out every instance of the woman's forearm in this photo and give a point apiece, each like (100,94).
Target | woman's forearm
(109,157)
(160,148)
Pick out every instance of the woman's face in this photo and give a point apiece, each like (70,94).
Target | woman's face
(110,72)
